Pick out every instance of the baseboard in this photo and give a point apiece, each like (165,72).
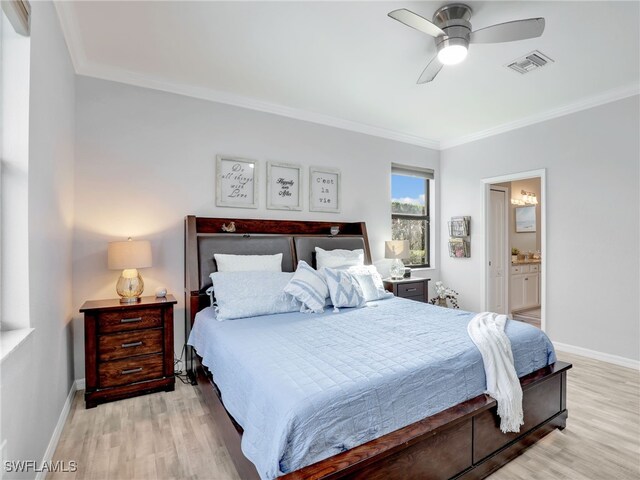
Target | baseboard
(605,357)
(55,438)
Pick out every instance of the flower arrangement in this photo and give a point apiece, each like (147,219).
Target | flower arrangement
(444,294)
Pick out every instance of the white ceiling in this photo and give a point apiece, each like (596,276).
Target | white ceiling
(347,64)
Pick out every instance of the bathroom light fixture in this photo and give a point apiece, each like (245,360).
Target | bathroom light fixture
(528,199)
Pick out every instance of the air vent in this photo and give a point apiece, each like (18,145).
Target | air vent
(531,61)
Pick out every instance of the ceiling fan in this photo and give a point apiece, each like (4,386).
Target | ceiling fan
(451,30)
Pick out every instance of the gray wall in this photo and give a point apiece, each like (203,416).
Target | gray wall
(36,378)
(593,163)
(145,159)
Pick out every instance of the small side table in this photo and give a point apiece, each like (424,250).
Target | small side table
(128,348)
(411,288)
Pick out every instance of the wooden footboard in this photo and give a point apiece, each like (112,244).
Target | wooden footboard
(463,441)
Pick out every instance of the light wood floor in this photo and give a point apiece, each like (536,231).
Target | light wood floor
(531,316)
(170,435)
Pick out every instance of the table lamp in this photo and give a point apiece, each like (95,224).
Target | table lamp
(129,256)
(397,250)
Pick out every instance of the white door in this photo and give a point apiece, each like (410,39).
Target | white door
(497,241)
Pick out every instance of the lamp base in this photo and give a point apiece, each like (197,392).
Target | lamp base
(129,299)
(397,269)
(130,286)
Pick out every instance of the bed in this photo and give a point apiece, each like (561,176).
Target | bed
(408,408)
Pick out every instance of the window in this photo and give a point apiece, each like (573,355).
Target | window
(15,55)
(410,207)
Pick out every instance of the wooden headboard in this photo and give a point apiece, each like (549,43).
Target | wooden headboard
(294,239)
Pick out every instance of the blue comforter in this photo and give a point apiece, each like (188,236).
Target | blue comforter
(305,387)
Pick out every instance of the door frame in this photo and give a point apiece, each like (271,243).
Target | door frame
(484,251)
(507,253)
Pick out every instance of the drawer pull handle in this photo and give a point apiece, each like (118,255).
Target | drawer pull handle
(411,289)
(130,371)
(131,320)
(132,344)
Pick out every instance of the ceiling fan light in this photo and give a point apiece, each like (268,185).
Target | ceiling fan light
(452,54)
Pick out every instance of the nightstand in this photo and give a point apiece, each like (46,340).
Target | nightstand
(411,288)
(128,348)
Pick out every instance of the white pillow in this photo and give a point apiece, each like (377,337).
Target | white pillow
(343,288)
(370,282)
(251,294)
(338,258)
(309,287)
(246,263)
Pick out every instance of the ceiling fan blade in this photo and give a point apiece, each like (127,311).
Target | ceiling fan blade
(509,31)
(414,20)
(430,71)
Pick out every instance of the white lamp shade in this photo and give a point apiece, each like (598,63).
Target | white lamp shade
(397,249)
(129,254)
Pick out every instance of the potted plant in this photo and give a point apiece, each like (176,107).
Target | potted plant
(444,294)
(514,254)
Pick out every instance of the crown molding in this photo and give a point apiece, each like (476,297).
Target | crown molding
(71,33)
(145,81)
(583,104)
(82,66)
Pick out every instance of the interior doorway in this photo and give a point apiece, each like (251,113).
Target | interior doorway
(514,270)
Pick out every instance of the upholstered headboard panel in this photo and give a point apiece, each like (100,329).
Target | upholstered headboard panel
(305,246)
(206,236)
(238,244)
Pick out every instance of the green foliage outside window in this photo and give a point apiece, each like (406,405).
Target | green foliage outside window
(410,229)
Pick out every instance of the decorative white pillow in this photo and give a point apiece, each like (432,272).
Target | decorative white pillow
(338,258)
(370,282)
(343,288)
(248,263)
(251,294)
(309,287)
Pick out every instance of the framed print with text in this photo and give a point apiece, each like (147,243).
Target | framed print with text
(284,186)
(236,182)
(324,190)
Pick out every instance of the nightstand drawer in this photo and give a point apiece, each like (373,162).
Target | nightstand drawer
(419,298)
(129,344)
(130,319)
(412,289)
(130,370)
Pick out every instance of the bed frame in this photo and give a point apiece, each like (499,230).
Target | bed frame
(462,442)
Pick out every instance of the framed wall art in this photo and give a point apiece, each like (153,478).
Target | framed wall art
(236,182)
(525,219)
(284,186)
(324,190)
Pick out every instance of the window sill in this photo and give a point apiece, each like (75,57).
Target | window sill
(10,340)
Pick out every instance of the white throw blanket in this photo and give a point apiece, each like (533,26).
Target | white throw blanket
(487,332)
